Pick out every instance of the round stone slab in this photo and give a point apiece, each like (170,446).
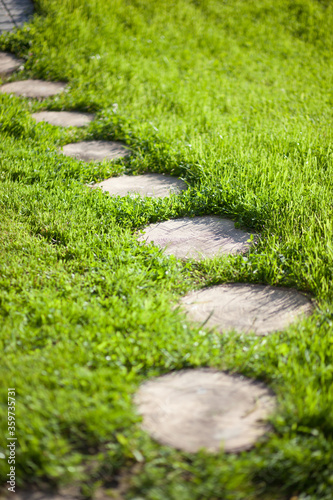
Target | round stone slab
(246,308)
(64,118)
(95,150)
(152,185)
(33,88)
(194,409)
(9,63)
(197,237)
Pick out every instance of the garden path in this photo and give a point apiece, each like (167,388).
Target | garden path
(198,408)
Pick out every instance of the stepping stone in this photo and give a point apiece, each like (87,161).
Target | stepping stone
(204,408)
(246,308)
(9,63)
(64,118)
(6,23)
(95,150)
(152,185)
(197,237)
(33,88)
(15,12)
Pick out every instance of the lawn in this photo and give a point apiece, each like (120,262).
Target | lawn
(235,97)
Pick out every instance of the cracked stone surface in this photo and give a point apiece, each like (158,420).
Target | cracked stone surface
(9,63)
(246,308)
(151,185)
(13,13)
(33,88)
(95,150)
(204,408)
(197,237)
(64,118)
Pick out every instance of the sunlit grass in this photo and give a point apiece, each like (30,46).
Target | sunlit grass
(234,97)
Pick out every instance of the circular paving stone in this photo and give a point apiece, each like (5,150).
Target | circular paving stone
(9,63)
(64,118)
(204,408)
(197,237)
(246,308)
(152,185)
(33,88)
(95,150)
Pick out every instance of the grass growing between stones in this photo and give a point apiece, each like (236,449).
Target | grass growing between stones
(234,97)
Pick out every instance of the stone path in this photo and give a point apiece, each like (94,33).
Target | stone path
(9,63)
(64,118)
(151,185)
(203,408)
(246,308)
(14,13)
(197,237)
(95,150)
(190,409)
(33,88)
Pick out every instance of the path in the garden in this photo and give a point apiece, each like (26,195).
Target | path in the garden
(199,408)
(244,307)
(13,13)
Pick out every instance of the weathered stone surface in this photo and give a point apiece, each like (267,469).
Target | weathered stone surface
(204,408)
(6,23)
(152,185)
(14,13)
(33,88)
(8,63)
(197,237)
(95,150)
(64,118)
(246,308)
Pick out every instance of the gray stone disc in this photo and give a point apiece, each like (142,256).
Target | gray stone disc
(33,88)
(14,13)
(9,63)
(152,185)
(95,150)
(203,408)
(197,237)
(64,118)
(246,308)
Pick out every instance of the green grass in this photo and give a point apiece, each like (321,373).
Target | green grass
(236,98)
